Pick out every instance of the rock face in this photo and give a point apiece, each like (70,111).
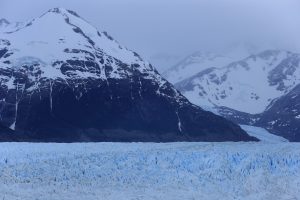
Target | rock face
(64,81)
(4,130)
(283,117)
(7,134)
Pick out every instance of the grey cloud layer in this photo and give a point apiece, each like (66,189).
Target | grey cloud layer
(179,26)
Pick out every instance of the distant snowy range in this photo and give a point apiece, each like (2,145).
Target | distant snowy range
(83,117)
(260,89)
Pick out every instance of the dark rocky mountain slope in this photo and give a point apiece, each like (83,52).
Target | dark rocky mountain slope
(283,117)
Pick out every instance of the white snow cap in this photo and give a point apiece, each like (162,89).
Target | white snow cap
(46,39)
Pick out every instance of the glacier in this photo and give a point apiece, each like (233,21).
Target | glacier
(262,134)
(116,171)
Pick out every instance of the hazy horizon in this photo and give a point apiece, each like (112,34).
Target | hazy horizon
(166,31)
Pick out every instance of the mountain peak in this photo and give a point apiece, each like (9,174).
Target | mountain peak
(58,30)
(80,80)
(63,11)
(60,13)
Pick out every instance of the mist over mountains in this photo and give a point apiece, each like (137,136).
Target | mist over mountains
(180,27)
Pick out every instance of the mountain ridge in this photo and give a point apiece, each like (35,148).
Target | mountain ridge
(79,84)
(251,91)
(242,84)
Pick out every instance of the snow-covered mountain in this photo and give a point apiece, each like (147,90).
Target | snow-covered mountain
(62,80)
(194,64)
(257,90)
(248,85)
(201,60)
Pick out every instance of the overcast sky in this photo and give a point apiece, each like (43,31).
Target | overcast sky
(178,27)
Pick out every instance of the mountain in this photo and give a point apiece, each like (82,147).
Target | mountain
(64,81)
(194,64)
(260,90)
(283,117)
(249,85)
